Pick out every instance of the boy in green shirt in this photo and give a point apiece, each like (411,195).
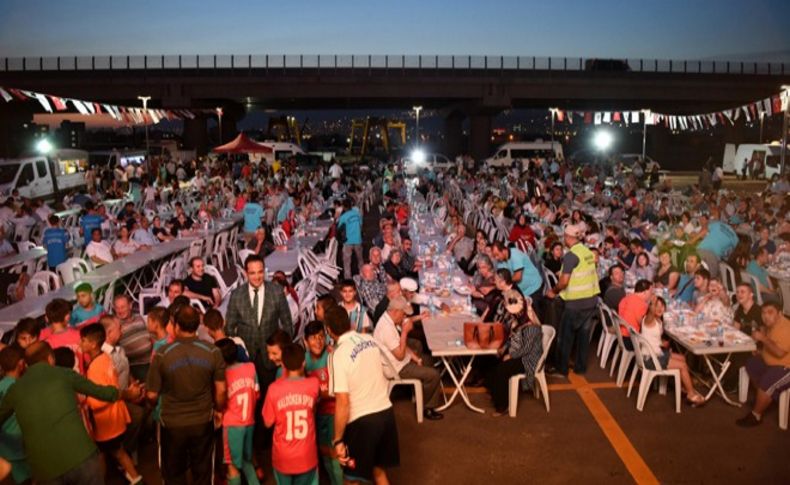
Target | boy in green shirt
(12,361)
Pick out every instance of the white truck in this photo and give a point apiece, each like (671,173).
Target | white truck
(40,177)
(281,151)
(523,151)
(769,157)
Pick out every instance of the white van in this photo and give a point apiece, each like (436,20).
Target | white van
(770,156)
(432,161)
(539,150)
(281,151)
(39,177)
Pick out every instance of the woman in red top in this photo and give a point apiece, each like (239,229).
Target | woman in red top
(521,230)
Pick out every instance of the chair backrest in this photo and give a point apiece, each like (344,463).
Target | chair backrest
(279,236)
(642,350)
(71,269)
(212,270)
(617,321)
(331,251)
(728,277)
(387,364)
(244,254)
(548,334)
(25,246)
(51,279)
(755,282)
(36,287)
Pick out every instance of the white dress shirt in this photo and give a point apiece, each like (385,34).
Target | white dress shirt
(260,300)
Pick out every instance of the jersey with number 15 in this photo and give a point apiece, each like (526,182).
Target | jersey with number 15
(243,391)
(290,407)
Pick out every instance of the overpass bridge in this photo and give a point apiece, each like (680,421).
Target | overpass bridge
(461,87)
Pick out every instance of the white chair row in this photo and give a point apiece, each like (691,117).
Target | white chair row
(540,385)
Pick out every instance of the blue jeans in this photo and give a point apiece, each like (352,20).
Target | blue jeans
(574,325)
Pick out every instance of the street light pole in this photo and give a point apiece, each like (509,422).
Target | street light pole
(219,120)
(417,109)
(786,105)
(145,100)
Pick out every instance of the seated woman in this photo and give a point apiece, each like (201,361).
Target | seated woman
(642,270)
(552,259)
(124,245)
(260,244)
(521,234)
(715,304)
(667,275)
(652,330)
(159,231)
(483,287)
(521,351)
(394,265)
(503,280)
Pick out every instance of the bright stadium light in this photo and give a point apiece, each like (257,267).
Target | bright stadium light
(44,146)
(418,157)
(602,140)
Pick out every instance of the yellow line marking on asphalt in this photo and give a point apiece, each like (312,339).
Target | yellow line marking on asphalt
(622,445)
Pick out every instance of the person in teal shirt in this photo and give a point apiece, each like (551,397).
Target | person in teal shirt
(87,310)
(525,274)
(253,213)
(351,221)
(316,365)
(11,446)
(720,239)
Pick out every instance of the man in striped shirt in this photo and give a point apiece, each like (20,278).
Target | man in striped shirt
(135,339)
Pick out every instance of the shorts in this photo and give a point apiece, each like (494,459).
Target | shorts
(325,426)
(111,445)
(372,441)
(306,478)
(237,445)
(663,360)
(772,379)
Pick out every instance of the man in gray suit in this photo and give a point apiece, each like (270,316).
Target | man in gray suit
(255,311)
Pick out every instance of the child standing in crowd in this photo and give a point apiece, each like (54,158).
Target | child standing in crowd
(87,311)
(357,313)
(159,327)
(59,334)
(316,366)
(215,325)
(27,332)
(110,419)
(238,419)
(274,348)
(12,361)
(290,408)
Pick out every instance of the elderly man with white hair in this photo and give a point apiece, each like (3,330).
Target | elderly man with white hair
(371,289)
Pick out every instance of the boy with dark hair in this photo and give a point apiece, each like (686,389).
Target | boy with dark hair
(215,325)
(59,333)
(55,239)
(110,419)
(86,311)
(27,332)
(289,407)
(64,357)
(238,419)
(12,361)
(316,365)
(274,348)
(159,326)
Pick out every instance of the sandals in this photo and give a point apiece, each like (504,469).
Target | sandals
(696,399)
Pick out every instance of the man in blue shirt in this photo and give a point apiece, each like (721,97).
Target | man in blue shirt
(253,213)
(90,221)
(720,239)
(351,221)
(54,240)
(525,274)
(685,289)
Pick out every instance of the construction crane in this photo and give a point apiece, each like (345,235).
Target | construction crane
(371,125)
(285,128)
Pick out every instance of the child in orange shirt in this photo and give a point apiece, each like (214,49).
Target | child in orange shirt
(110,418)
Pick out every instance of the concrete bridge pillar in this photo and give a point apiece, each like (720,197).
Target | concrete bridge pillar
(196,134)
(453,134)
(480,135)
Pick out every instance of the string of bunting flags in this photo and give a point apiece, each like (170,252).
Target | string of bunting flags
(775,104)
(126,114)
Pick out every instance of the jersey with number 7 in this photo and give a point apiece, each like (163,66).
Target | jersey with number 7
(243,391)
(290,407)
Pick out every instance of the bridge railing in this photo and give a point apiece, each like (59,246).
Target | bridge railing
(379,62)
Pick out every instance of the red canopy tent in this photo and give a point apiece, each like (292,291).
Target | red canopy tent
(242,144)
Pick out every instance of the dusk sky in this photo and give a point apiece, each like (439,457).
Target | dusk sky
(668,29)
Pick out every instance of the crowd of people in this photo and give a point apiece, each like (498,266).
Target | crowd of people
(86,387)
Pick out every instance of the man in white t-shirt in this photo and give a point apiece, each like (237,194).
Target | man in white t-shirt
(99,251)
(365,428)
(335,171)
(405,354)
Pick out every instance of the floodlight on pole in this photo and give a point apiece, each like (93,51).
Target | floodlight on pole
(145,100)
(417,110)
(44,146)
(602,140)
(219,120)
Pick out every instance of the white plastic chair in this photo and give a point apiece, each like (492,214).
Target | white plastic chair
(625,355)
(25,246)
(728,278)
(608,334)
(641,347)
(784,397)
(71,269)
(51,279)
(224,287)
(279,236)
(755,282)
(540,385)
(36,287)
(244,254)
(393,379)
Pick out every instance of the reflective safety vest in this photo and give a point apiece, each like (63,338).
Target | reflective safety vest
(584,277)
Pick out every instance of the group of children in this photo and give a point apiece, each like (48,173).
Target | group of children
(296,405)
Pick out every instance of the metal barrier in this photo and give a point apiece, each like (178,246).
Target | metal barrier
(379,62)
